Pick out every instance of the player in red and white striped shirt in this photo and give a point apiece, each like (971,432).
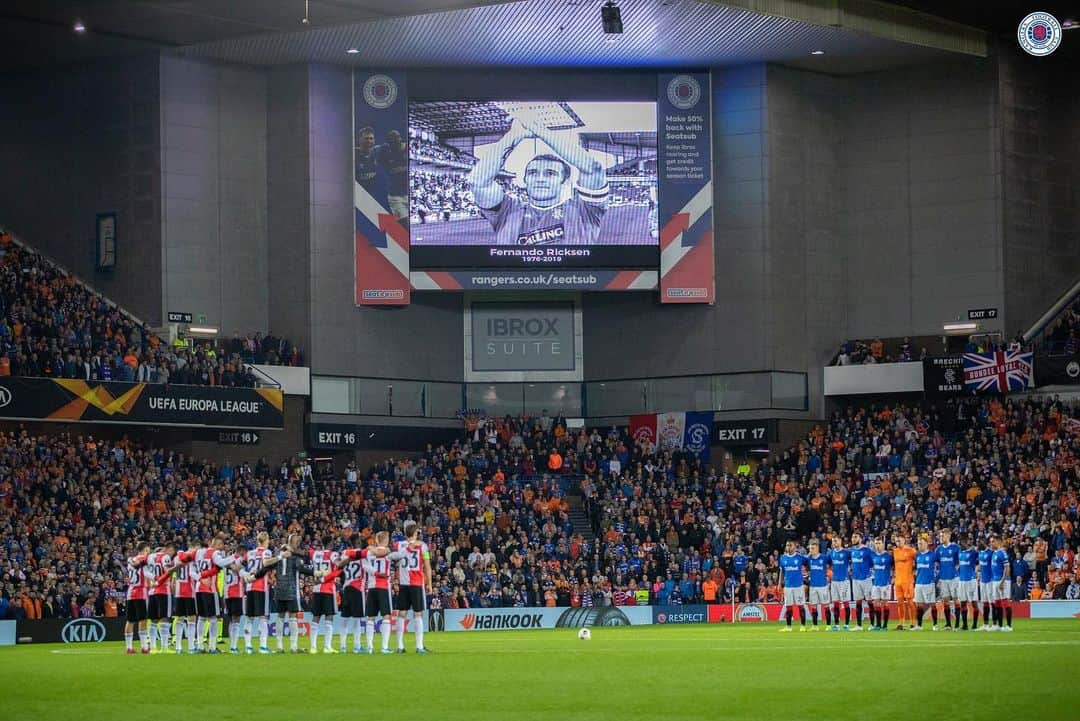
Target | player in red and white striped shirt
(207,602)
(137,588)
(258,596)
(159,605)
(183,567)
(414,579)
(234,596)
(377,567)
(353,593)
(324,605)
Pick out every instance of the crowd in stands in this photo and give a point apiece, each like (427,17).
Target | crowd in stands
(439,196)
(494,505)
(864,353)
(1063,337)
(420,149)
(53,326)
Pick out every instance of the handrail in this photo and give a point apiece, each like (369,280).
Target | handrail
(1044,320)
(260,374)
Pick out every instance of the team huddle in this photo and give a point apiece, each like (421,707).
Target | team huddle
(964,581)
(167,585)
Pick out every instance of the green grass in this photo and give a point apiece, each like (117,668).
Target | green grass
(743,672)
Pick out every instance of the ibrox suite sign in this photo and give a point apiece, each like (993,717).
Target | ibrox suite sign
(70,400)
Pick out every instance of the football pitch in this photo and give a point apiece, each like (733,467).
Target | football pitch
(746,672)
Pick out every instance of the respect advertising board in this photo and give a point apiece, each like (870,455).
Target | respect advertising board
(71,400)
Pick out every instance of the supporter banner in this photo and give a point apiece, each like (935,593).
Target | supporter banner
(666,615)
(381,187)
(76,630)
(943,375)
(1057,370)
(697,434)
(643,428)
(684,159)
(671,430)
(68,400)
(998,372)
(506,619)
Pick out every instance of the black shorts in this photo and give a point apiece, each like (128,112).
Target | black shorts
(289,605)
(234,607)
(410,598)
(136,610)
(378,602)
(324,604)
(159,607)
(207,605)
(258,604)
(183,607)
(352,602)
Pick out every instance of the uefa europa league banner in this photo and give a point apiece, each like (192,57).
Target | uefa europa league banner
(70,400)
(684,157)
(381,187)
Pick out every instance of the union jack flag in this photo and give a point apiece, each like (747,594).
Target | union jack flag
(998,372)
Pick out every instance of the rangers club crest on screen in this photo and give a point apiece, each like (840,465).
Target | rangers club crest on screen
(380,91)
(684,92)
(1039,34)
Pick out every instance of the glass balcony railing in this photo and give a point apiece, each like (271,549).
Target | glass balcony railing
(766,390)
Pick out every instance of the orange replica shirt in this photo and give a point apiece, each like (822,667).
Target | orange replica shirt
(904,563)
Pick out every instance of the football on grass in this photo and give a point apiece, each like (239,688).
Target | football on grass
(584,634)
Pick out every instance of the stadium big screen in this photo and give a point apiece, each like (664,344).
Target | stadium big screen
(526,189)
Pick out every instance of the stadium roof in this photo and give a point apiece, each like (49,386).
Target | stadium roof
(855,35)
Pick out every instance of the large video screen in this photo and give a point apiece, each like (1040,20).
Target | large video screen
(532,184)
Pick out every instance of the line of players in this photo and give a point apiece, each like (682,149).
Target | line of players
(166,585)
(965,580)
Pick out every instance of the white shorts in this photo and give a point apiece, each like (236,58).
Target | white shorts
(986,592)
(399,205)
(948,590)
(881,593)
(1004,592)
(840,590)
(861,590)
(924,593)
(794,597)
(968,591)
(819,595)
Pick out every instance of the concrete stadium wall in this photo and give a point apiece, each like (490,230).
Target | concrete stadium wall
(81,140)
(921,188)
(213,182)
(1041,195)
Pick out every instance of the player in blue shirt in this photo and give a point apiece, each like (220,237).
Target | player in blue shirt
(999,578)
(925,576)
(862,567)
(968,584)
(840,587)
(986,586)
(881,592)
(791,584)
(948,558)
(819,582)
